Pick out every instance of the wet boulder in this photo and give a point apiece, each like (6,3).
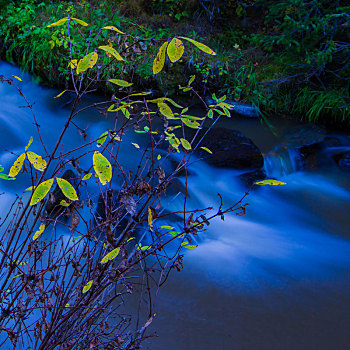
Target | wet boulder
(253,176)
(343,161)
(231,149)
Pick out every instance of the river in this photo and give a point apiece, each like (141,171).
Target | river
(276,278)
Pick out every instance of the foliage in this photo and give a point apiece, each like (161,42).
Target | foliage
(65,290)
(265,60)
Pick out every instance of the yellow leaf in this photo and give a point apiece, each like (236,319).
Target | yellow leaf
(207,150)
(102,167)
(141,94)
(64,203)
(17,165)
(159,157)
(110,256)
(67,189)
(29,143)
(87,61)
(73,64)
(175,50)
(270,182)
(31,188)
(58,23)
(113,28)
(37,161)
(135,145)
(87,286)
(185,144)
(165,110)
(200,46)
(112,51)
(116,137)
(159,61)
(150,219)
(190,246)
(162,99)
(120,82)
(41,191)
(18,78)
(60,94)
(38,233)
(102,139)
(80,21)
(86,177)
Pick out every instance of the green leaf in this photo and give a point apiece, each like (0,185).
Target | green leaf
(64,203)
(113,28)
(165,110)
(80,21)
(58,23)
(110,256)
(270,182)
(210,113)
(41,191)
(200,46)
(17,165)
(185,144)
(87,61)
(37,161)
(111,51)
(119,82)
(191,80)
(175,49)
(75,239)
(67,189)
(87,286)
(102,139)
(38,233)
(6,177)
(207,150)
(102,167)
(159,61)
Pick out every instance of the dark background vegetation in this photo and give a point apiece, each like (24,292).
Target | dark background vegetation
(285,56)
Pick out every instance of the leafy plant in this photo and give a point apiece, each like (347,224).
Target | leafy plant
(66,294)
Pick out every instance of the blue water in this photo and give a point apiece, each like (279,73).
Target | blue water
(276,278)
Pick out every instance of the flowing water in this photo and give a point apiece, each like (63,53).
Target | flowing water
(276,278)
